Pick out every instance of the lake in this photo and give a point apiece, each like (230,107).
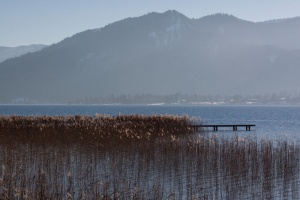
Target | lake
(270,121)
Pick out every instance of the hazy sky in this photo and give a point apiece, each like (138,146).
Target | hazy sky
(26,22)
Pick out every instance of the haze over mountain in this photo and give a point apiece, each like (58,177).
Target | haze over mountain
(11,52)
(160,53)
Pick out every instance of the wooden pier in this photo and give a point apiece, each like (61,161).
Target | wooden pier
(217,126)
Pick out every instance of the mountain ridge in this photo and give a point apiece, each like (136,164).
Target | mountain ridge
(158,53)
(11,52)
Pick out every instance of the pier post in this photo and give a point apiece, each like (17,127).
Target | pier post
(247,128)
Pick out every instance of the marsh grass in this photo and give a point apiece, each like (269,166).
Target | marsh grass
(179,165)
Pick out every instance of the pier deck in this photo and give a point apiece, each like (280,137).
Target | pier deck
(217,126)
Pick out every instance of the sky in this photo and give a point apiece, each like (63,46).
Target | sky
(24,22)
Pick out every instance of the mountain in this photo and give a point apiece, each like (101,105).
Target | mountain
(160,53)
(11,52)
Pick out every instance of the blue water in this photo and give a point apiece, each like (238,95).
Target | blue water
(270,121)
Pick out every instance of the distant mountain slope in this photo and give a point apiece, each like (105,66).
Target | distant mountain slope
(11,52)
(160,53)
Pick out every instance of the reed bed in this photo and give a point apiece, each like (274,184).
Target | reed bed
(179,165)
(95,129)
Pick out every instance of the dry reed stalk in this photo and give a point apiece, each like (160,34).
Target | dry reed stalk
(179,165)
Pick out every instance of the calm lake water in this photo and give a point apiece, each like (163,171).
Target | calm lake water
(270,121)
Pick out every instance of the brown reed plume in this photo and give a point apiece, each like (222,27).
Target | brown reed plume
(98,128)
